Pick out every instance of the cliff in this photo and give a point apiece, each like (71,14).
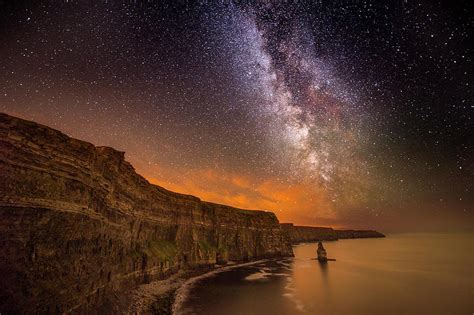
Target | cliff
(358,234)
(303,234)
(78,225)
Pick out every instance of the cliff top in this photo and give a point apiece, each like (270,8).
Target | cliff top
(37,135)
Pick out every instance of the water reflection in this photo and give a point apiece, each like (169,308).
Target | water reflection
(323,266)
(404,274)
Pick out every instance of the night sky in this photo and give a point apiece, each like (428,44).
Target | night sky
(335,113)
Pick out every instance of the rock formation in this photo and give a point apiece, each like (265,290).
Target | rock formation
(321,253)
(78,225)
(303,234)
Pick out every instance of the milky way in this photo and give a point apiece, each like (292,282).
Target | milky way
(313,119)
(328,113)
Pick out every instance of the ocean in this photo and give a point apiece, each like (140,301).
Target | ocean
(399,274)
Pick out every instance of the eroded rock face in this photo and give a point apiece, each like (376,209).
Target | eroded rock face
(78,225)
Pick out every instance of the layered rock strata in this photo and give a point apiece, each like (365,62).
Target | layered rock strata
(78,225)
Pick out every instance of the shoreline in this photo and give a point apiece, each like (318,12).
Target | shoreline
(183,291)
(308,283)
(175,289)
(169,294)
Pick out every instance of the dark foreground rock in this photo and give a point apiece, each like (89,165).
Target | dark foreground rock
(79,227)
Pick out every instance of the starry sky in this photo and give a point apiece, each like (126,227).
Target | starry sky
(351,114)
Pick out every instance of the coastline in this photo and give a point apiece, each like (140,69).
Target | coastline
(131,232)
(183,291)
(132,235)
(169,294)
(368,265)
(174,290)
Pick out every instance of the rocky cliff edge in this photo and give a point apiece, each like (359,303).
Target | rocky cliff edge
(78,225)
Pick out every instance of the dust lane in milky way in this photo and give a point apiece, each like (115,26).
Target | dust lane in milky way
(328,114)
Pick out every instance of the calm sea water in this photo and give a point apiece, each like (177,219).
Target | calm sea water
(400,274)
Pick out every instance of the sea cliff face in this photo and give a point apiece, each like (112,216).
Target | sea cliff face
(78,225)
(303,234)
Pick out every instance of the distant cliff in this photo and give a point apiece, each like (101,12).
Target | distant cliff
(358,234)
(78,225)
(302,234)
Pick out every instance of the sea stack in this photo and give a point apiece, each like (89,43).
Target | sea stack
(322,257)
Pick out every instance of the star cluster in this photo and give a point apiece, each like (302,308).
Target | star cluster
(344,114)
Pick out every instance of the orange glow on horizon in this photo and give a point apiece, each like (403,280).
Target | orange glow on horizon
(299,203)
